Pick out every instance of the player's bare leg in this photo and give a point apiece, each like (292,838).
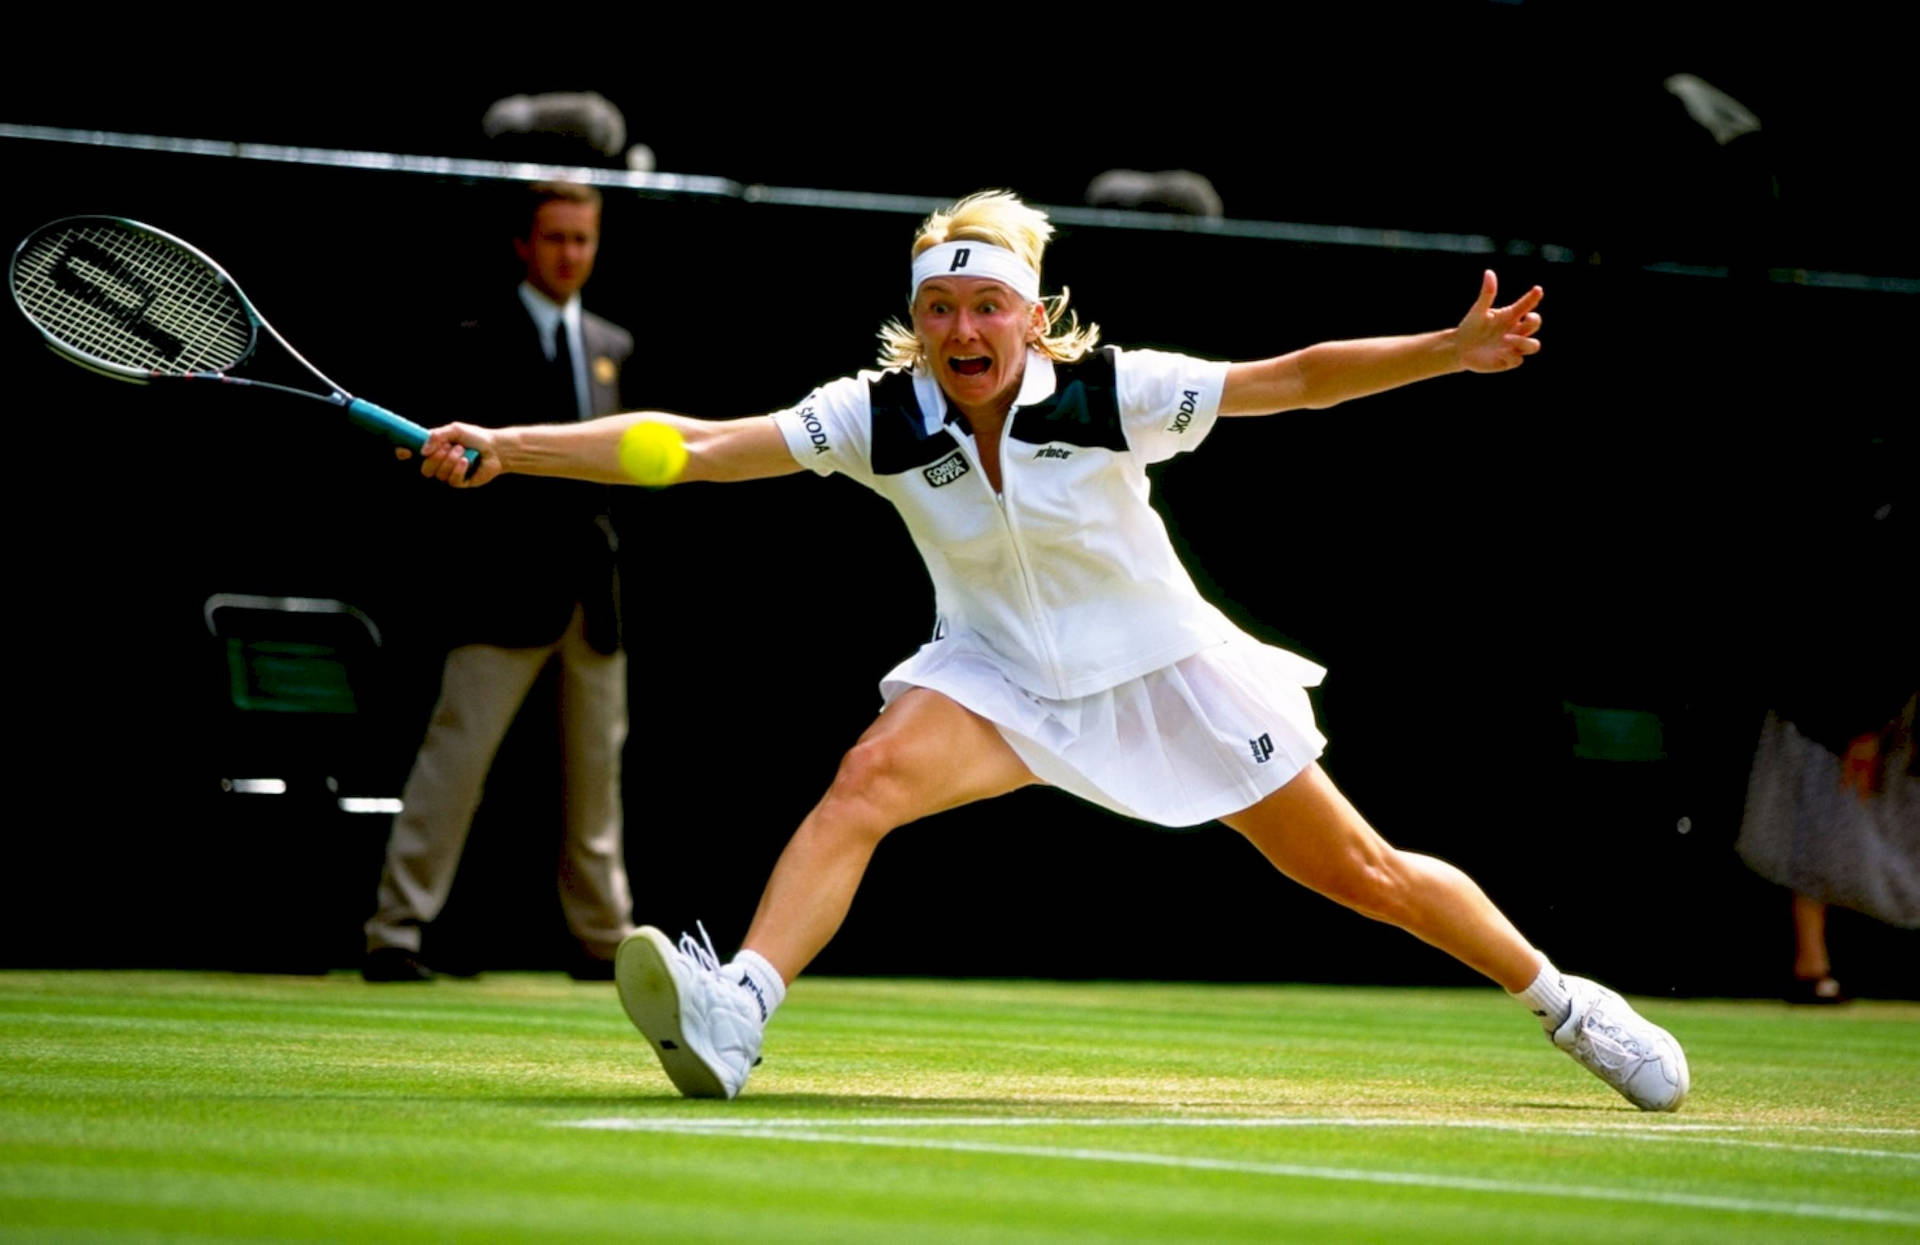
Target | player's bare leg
(1309,831)
(704,1019)
(923,755)
(1810,959)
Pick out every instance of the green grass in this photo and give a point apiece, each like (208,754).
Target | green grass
(198,1106)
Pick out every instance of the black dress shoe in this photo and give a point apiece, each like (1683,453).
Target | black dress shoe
(452,965)
(586,967)
(1817,991)
(394,964)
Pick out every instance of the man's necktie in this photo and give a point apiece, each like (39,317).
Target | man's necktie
(567,399)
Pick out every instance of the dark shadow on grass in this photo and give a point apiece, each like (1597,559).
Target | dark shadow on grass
(1590,1108)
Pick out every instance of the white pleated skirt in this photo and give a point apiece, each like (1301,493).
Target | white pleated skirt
(1210,735)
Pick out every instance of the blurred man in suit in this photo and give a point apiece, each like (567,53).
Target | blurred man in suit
(536,357)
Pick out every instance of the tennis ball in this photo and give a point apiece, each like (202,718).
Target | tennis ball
(653,454)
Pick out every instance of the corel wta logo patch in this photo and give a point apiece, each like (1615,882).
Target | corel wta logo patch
(947,470)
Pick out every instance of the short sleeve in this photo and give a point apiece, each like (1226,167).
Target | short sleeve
(1168,402)
(830,430)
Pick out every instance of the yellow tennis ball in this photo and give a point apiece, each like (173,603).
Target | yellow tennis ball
(653,454)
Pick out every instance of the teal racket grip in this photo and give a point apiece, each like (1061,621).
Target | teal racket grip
(399,431)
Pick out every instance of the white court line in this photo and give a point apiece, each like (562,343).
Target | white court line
(815,1131)
(1632,1132)
(675,1123)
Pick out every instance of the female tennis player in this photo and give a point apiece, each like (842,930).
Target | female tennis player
(1073,648)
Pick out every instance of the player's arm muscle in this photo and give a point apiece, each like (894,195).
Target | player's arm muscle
(720,450)
(735,449)
(1329,373)
(1487,339)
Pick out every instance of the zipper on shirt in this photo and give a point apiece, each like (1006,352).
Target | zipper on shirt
(1043,637)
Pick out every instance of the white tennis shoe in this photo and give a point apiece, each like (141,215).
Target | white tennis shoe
(705,1027)
(1621,1047)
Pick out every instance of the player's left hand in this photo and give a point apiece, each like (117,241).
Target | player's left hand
(444,456)
(1496,339)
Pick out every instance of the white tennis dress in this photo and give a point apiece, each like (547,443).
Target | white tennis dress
(1065,617)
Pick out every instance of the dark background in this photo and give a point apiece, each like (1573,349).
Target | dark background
(1643,518)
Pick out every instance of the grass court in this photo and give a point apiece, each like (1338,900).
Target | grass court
(184,1106)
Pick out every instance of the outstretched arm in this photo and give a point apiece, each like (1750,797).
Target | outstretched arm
(1487,339)
(737,449)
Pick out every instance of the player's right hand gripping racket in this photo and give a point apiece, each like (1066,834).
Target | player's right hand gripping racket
(134,303)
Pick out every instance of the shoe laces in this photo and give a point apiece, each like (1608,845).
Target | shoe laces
(701,952)
(707,960)
(1607,1036)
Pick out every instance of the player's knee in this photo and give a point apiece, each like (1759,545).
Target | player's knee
(871,789)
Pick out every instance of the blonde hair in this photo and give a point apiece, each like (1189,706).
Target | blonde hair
(998,218)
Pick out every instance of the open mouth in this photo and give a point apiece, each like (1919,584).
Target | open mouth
(970,365)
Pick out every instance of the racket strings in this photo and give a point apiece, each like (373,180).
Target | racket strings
(133,300)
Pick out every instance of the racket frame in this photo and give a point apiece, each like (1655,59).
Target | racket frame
(363,414)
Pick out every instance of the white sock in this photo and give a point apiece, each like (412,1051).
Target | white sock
(760,979)
(1547,997)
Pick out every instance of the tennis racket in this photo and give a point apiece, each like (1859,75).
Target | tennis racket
(134,303)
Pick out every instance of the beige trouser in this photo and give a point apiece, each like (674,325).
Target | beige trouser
(480,692)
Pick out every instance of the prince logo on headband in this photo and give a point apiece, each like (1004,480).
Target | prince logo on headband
(977,259)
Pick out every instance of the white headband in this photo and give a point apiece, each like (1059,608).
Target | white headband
(977,259)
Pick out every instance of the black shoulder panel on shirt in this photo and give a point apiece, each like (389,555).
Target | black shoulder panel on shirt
(1084,409)
(900,440)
